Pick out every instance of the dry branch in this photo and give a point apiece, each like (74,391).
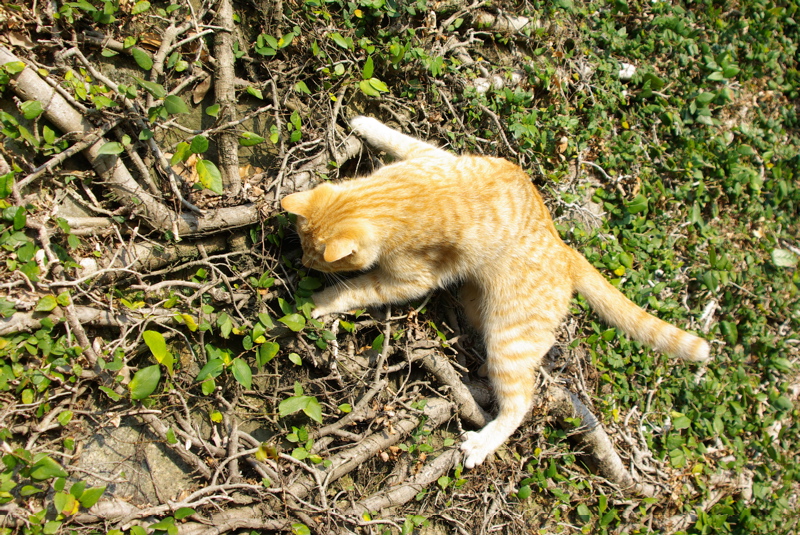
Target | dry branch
(225,93)
(436,412)
(594,440)
(30,86)
(405,492)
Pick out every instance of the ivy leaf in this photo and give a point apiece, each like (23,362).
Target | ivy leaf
(47,468)
(6,185)
(90,496)
(784,258)
(112,147)
(301,87)
(369,68)
(295,322)
(142,58)
(175,104)
(212,369)
(140,7)
(248,139)
(31,109)
(158,346)
(339,40)
(199,144)
(157,90)
(266,352)
(46,304)
(145,381)
(210,176)
(242,373)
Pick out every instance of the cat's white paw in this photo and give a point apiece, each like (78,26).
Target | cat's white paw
(323,303)
(364,125)
(475,449)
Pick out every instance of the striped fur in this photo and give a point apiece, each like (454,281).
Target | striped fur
(433,218)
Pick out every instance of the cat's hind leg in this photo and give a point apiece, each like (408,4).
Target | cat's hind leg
(393,142)
(512,367)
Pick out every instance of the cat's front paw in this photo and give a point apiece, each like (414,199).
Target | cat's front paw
(475,449)
(323,303)
(364,125)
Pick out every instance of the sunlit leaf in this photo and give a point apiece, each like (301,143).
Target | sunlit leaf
(242,373)
(145,381)
(209,175)
(112,147)
(295,322)
(46,304)
(175,104)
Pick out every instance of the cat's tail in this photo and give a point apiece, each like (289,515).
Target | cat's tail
(619,311)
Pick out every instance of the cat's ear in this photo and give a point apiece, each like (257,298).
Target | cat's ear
(298,203)
(338,248)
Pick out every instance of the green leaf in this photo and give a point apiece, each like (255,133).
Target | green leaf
(378,85)
(212,368)
(242,373)
(29,490)
(183,512)
(182,153)
(300,529)
(145,381)
(266,352)
(784,258)
(31,109)
(308,404)
(295,359)
(157,90)
(637,205)
(210,176)
(213,110)
(301,87)
(295,322)
(730,71)
(90,496)
(110,393)
(584,513)
(112,147)
(140,7)
(6,185)
(339,40)
(7,308)
(208,386)
(47,468)
(142,59)
(175,104)
(248,139)
(14,67)
(377,344)
(64,417)
(157,344)
(367,89)
(199,145)
(46,304)
(369,68)
(63,299)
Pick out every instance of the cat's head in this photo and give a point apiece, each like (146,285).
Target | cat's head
(333,235)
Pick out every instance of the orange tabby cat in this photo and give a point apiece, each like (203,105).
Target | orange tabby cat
(434,218)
